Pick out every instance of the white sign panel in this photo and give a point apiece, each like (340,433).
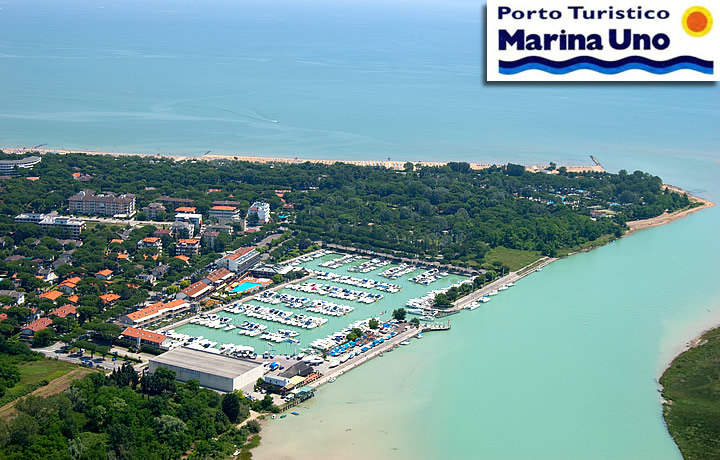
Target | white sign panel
(602,40)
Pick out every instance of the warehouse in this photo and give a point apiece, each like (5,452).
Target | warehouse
(211,370)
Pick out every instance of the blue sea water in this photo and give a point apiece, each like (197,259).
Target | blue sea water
(564,365)
(367,80)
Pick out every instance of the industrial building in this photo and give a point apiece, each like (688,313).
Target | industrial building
(212,370)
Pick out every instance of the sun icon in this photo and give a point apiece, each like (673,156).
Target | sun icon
(697,21)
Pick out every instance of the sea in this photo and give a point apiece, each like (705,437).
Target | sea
(562,366)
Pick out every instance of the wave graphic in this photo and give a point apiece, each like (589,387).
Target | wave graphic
(606,67)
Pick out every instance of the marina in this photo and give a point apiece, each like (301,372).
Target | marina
(302,316)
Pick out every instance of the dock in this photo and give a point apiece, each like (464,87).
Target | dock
(436,327)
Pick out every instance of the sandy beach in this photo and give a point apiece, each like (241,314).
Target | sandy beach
(666,218)
(399,165)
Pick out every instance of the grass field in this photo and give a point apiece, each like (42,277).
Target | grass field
(692,389)
(513,258)
(32,375)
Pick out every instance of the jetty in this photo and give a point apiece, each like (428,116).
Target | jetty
(435,327)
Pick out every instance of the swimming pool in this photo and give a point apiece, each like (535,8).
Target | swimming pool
(244,286)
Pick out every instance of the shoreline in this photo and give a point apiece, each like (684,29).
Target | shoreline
(666,217)
(390,164)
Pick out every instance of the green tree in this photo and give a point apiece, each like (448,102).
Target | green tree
(231,406)
(399,314)
(43,338)
(277,278)
(373,323)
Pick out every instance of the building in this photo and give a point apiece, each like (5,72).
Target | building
(262,210)
(220,228)
(65,310)
(239,260)
(51,295)
(212,370)
(187,247)
(219,277)
(109,298)
(103,204)
(182,229)
(151,242)
(68,286)
(72,225)
(278,381)
(104,274)
(195,291)
(175,201)
(186,209)
(17,296)
(210,239)
(155,312)
(193,219)
(153,209)
(10,167)
(143,337)
(37,325)
(268,271)
(225,214)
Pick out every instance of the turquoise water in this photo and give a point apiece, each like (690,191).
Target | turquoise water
(244,286)
(562,366)
(522,377)
(381,309)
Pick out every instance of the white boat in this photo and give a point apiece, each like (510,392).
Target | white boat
(334,363)
(332,379)
(473,306)
(427,318)
(405,342)
(493,293)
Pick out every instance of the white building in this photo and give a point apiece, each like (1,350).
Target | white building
(262,210)
(7,167)
(191,218)
(239,260)
(212,370)
(72,225)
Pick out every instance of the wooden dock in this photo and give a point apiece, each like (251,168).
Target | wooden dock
(436,327)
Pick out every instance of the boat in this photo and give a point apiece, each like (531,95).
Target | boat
(294,413)
(283,416)
(493,293)
(405,342)
(334,363)
(473,306)
(427,318)
(332,379)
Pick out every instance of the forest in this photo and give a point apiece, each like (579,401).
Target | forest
(451,213)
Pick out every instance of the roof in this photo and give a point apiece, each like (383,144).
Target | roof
(74,298)
(144,335)
(189,209)
(71,282)
(151,239)
(109,297)
(105,272)
(183,258)
(162,231)
(123,256)
(238,253)
(219,275)
(65,310)
(52,295)
(188,241)
(39,324)
(196,289)
(206,362)
(223,208)
(156,309)
(174,200)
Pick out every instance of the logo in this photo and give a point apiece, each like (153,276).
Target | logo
(661,40)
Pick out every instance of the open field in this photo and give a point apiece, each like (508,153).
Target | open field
(33,373)
(513,258)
